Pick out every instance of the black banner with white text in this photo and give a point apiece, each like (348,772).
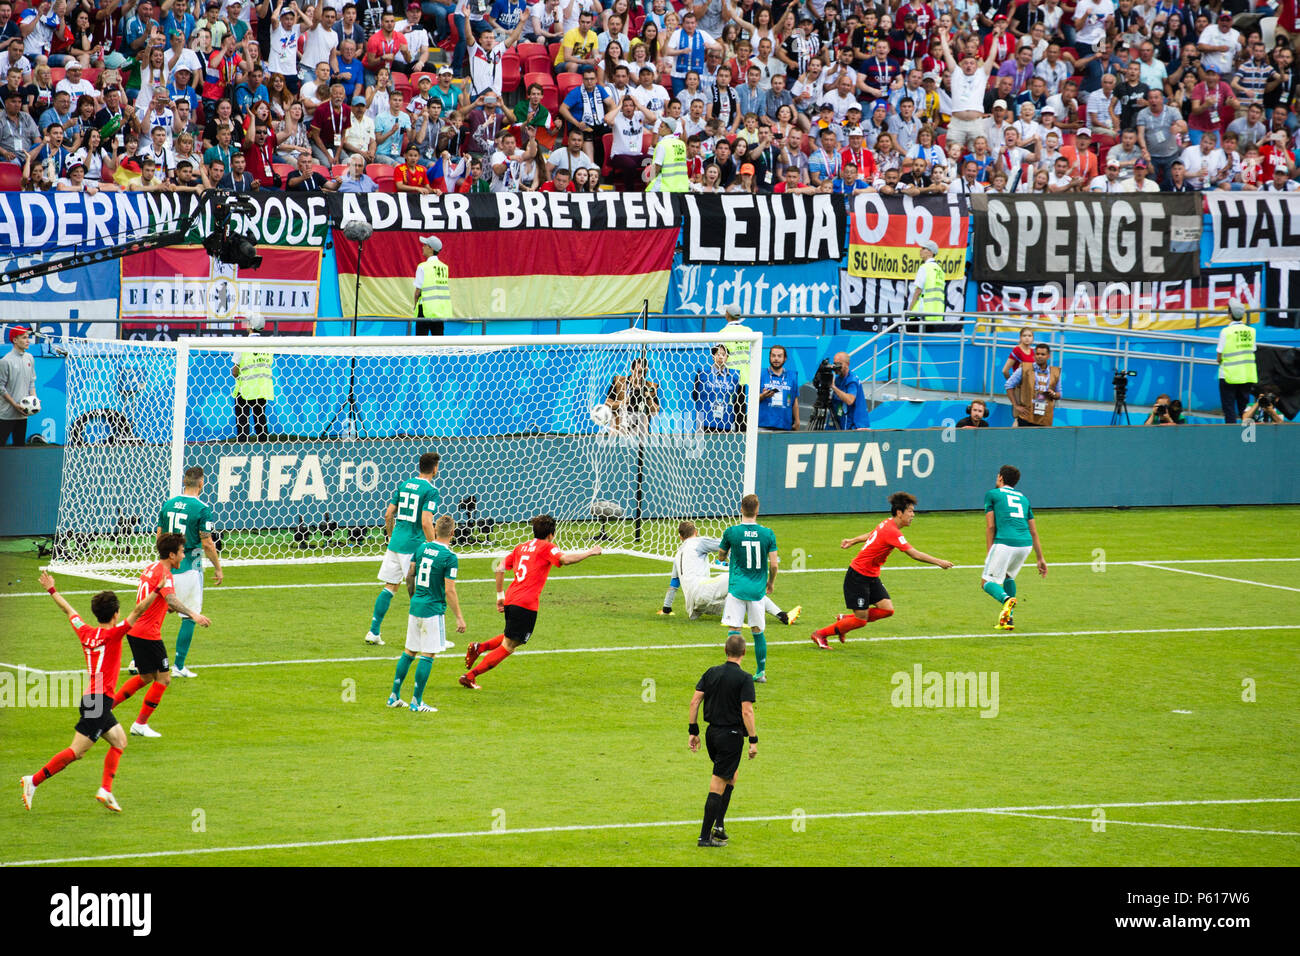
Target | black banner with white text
(744,229)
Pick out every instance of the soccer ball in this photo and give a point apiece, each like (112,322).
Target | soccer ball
(30,404)
(602,415)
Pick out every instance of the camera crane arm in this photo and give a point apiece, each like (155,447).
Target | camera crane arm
(222,205)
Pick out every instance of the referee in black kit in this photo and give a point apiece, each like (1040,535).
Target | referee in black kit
(728,695)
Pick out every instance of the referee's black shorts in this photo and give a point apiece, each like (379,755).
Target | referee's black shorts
(725,746)
(862,591)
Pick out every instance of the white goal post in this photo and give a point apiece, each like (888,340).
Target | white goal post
(619,437)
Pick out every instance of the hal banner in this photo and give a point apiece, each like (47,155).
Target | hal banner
(1254,227)
(511,255)
(1153,306)
(885,233)
(741,229)
(1098,238)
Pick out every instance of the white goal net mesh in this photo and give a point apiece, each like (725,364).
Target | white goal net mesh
(619,439)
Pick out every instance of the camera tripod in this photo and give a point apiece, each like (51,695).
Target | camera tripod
(1121,404)
(820,420)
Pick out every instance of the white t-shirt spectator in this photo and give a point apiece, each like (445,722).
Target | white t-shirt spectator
(968,91)
(1099,111)
(485,69)
(1222,62)
(1201,167)
(1095,13)
(575,11)
(627,134)
(654,99)
(840,103)
(282,58)
(417,41)
(188,60)
(318,45)
(1131,186)
(163,157)
(508,180)
(1053,76)
(1100,184)
(76,91)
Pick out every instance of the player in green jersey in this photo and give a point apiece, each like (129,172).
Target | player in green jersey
(431,584)
(751,550)
(187,515)
(408,522)
(1009,535)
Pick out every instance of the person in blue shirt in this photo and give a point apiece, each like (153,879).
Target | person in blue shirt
(184,24)
(60,112)
(506,14)
(778,394)
(351,71)
(716,394)
(849,405)
(848,183)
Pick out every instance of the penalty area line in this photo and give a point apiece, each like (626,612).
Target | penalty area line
(647,825)
(1219,577)
(626,648)
(1142,823)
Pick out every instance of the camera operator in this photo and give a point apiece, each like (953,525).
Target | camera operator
(778,397)
(1165,412)
(634,399)
(849,405)
(1264,408)
(976,413)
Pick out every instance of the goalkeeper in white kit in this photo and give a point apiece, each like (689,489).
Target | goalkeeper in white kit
(706,593)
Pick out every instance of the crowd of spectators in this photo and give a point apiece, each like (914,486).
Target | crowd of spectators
(905,96)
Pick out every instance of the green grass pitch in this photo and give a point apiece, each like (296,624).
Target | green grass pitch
(1172,690)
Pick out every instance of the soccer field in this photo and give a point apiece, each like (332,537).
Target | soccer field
(1147,710)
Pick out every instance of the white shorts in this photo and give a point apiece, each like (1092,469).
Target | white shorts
(394,568)
(705,595)
(964,131)
(738,613)
(189,589)
(426,635)
(1005,561)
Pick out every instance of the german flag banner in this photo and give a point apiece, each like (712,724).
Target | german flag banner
(885,233)
(510,255)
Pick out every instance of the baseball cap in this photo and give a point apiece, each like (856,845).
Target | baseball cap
(909,15)
(1225,15)
(747,169)
(72,65)
(930,76)
(1083,131)
(1048,109)
(358,101)
(1112,164)
(413,5)
(212,5)
(180,98)
(1001,103)
(446,71)
(18,330)
(1140,162)
(1000,16)
(855,131)
(425,78)
(854,106)
(929,245)
(433,242)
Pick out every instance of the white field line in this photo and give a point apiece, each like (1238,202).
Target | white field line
(591,827)
(1137,823)
(618,649)
(663,575)
(1220,577)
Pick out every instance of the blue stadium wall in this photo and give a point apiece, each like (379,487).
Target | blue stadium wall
(805,473)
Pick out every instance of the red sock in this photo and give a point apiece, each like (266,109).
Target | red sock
(830,629)
(57,763)
(126,690)
(848,623)
(150,702)
(491,645)
(110,767)
(489,661)
(876,613)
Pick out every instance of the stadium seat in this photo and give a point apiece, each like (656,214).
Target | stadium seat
(566,82)
(634,28)
(647,142)
(382,174)
(606,169)
(545,79)
(941,141)
(57,73)
(285,170)
(90,74)
(337,171)
(323,170)
(553,49)
(539,63)
(401,82)
(11,177)
(415,78)
(510,71)
(525,50)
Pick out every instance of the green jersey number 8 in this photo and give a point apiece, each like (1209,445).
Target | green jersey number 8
(422,576)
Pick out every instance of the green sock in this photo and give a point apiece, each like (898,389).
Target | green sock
(183,643)
(422,670)
(1009,585)
(994,590)
(399,675)
(381,608)
(760,651)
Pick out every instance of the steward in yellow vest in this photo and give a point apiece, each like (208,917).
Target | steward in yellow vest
(254,386)
(432,290)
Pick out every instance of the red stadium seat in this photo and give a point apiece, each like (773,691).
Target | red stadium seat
(57,73)
(539,63)
(510,71)
(401,82)
(647,142)
(566,82)
(525,50)
(606,169)
(90,75)
(284,169)
(554,49)
(337,171)
(11,177)
(322,170)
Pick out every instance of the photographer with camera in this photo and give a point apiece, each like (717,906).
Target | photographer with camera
(1035,389)
(849,405)
(1165,412)
(1264,408)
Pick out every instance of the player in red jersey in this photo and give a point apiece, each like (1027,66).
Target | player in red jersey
(154,597)
(532,562)
(102,647)
(864,595)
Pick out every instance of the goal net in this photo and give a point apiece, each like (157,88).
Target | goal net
(619,437)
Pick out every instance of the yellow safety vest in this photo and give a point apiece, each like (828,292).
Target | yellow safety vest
(931,279)
(670,157)
(255,378)
(1238,365)
(435,291)
(738,356)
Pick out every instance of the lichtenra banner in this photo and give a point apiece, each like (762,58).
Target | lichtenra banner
(741,229)
(885,233)
(1254,227)
(1142,236)
(811,288)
